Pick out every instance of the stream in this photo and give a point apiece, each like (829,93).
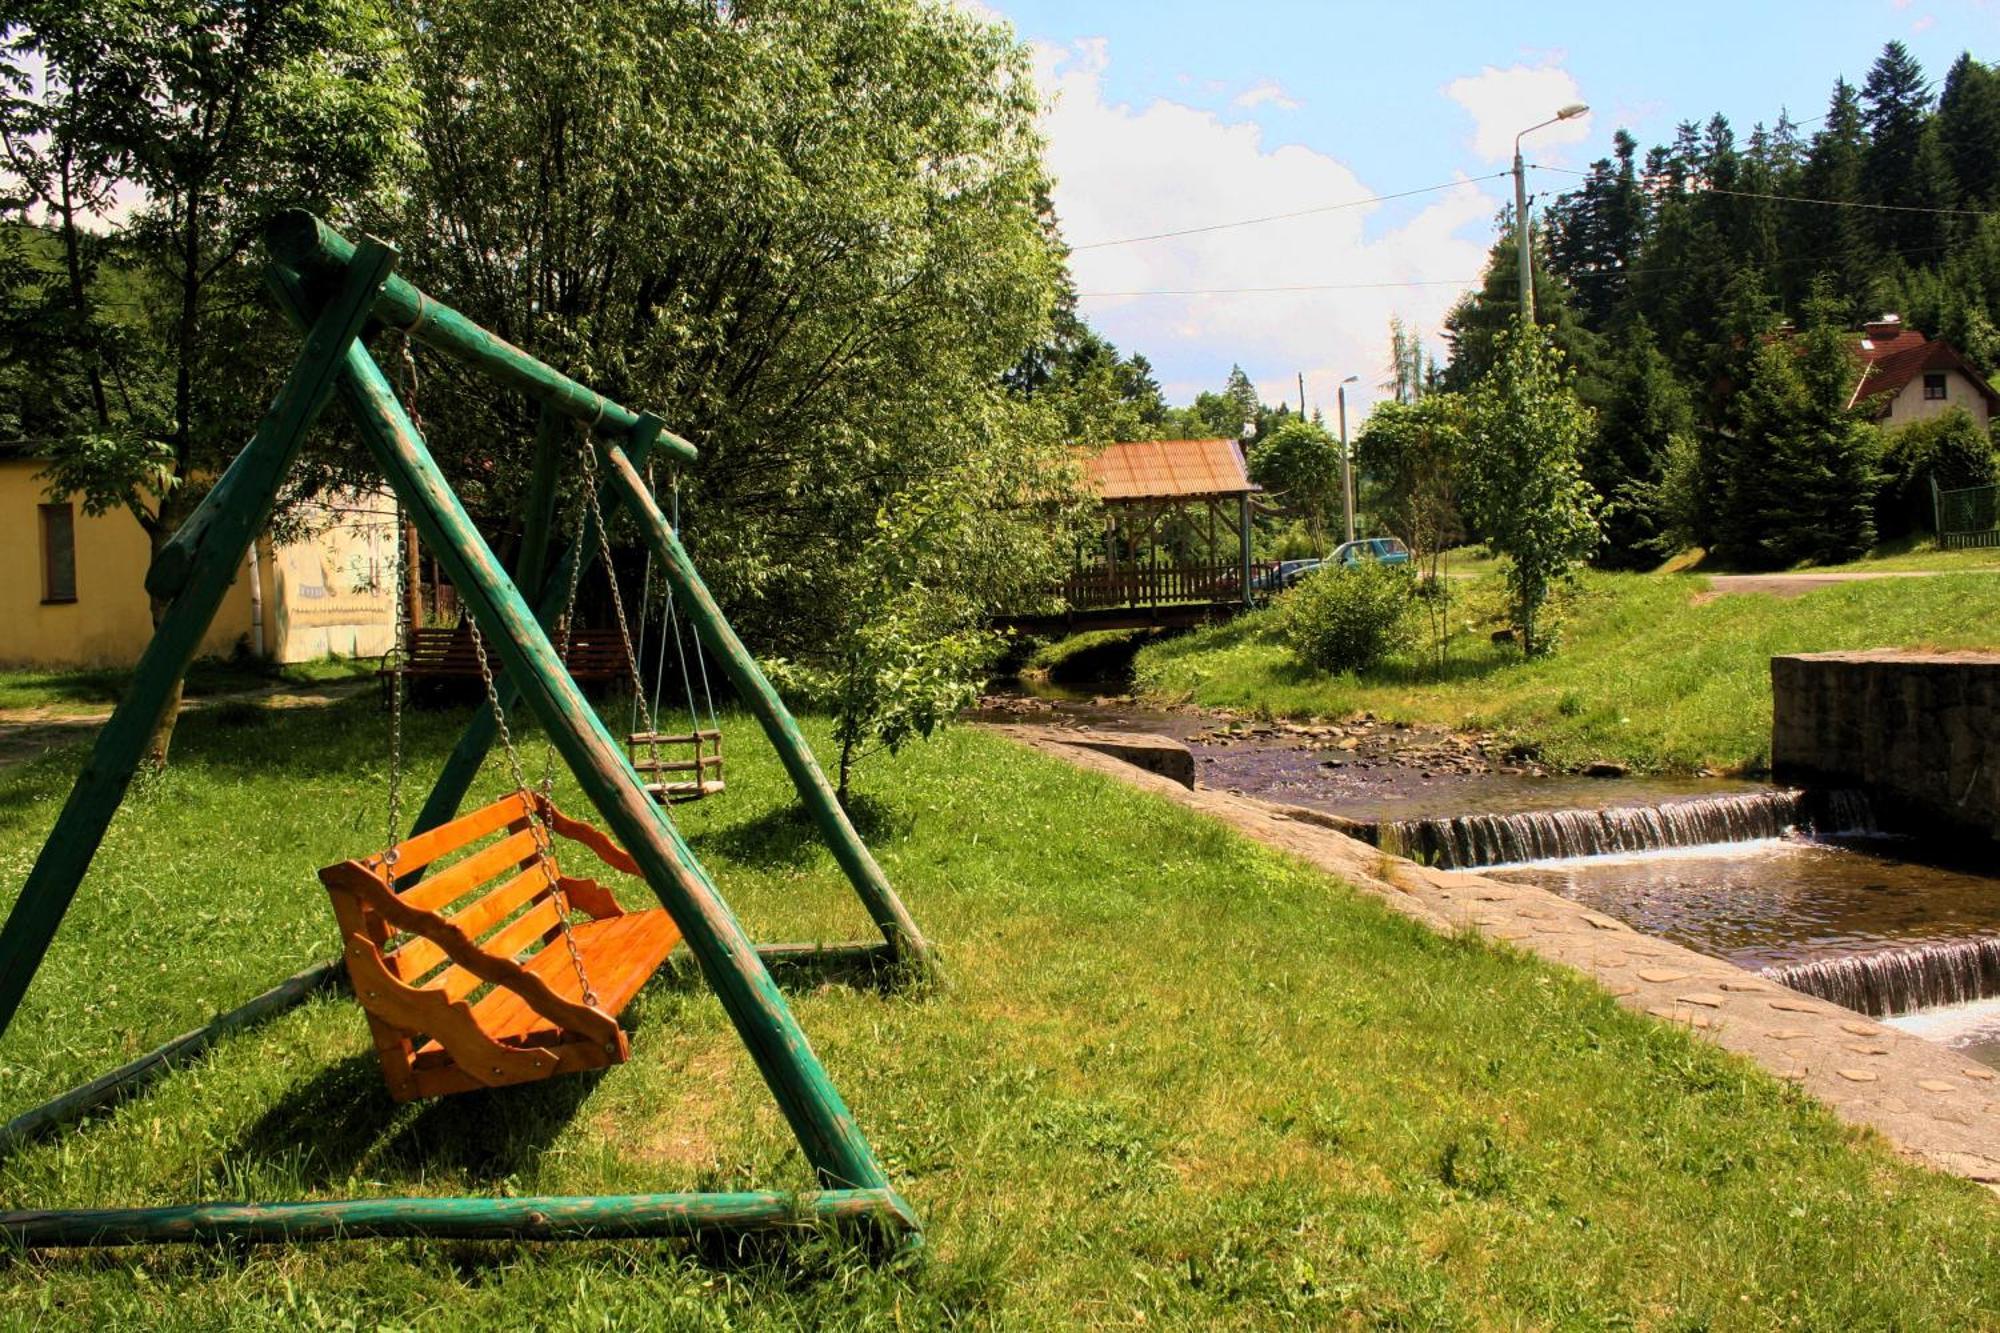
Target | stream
(1799,886)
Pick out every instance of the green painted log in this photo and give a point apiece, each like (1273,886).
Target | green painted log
(229,519)
(469,753)
(811,1104)
(308,246)
(133,1076)
(877,895)
(535,1217)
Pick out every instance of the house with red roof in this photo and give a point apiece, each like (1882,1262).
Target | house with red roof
(1906,377)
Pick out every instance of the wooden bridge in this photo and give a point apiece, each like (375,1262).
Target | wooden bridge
(1175,549)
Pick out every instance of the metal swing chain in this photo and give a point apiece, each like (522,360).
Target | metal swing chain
(399,650)
(537,817)
(618,603)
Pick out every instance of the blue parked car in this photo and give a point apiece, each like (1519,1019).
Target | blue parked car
(1285,575)
(1386,550)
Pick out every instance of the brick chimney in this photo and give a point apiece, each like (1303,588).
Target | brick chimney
(1884,328)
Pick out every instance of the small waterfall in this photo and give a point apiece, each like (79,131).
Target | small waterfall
(1898,980)
(1467,841)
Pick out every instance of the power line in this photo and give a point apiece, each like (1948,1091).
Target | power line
(1295,213)
(1289,287)
(1802,199)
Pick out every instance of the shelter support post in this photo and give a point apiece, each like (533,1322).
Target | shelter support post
(218,534)
(1243,544)
(813,1107)
(876,893)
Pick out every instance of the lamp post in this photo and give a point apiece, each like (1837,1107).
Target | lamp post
(1346,463)
(1570,112)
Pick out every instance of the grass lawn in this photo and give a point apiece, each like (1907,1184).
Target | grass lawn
(1171,1077)
(1647,672)
(73,692)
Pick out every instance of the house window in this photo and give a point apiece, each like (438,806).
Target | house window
(58,553)
(1934,386)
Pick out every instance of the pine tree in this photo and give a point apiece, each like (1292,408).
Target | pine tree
(1968,128)
(1832,240)
(1898,103)
(1648,410)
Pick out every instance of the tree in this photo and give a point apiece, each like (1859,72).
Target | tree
(1413,452)
(1835,240)
(1648,410)
(1948,450)
(1525,435)
(217,113)
(1968,127)
(908,645)
(1299,464)
(810,235)
(1897,104)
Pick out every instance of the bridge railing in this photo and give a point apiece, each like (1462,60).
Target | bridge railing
(1159,585)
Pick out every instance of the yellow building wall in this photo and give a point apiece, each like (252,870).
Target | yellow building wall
(110,621)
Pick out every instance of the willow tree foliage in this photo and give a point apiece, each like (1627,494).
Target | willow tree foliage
(806,232)
(1526,431)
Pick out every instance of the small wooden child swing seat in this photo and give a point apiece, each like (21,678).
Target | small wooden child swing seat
(495,921)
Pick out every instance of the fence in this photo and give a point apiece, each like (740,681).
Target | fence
(1157,585)
(1966,517)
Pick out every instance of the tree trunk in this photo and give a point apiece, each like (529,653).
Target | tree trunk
(79,302)
(846,767)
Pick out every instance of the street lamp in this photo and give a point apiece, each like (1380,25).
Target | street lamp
(1570,112)
(1346,463)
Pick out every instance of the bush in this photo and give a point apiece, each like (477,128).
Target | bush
(1349,617)
(1949,447)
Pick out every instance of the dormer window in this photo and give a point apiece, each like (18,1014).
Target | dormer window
(1934,386)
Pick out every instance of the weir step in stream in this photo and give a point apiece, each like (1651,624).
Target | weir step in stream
(1470,841)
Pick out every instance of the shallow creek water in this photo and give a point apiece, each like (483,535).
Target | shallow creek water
(1800,888)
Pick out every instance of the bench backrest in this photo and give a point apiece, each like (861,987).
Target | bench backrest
(495,890)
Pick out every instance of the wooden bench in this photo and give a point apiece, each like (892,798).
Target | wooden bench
(464,975)
(445,652)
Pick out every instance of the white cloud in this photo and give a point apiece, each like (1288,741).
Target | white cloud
(1924,24)
(1503,102)
(1126,170)
(1268,91)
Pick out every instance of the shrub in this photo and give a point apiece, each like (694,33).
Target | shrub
(1348,618)
(1949,447)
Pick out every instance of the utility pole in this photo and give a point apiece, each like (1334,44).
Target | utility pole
(1521,230)
(1346,460)
(1521,237)
(1302,395)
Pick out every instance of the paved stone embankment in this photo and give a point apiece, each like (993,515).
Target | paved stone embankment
(1932,1105)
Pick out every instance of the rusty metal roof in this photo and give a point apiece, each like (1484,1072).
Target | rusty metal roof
(1168,470)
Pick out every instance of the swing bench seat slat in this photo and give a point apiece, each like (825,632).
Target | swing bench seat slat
(420,955)
(685,791)
(674,738)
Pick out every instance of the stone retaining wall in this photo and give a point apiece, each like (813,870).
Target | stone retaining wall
(1918,732)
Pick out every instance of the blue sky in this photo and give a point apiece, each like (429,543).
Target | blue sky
(1177,114)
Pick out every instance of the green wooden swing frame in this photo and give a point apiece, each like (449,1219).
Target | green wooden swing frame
(337,292)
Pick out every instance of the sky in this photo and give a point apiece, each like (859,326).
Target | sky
(1168,115)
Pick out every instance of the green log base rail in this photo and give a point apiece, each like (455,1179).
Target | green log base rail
(333,289)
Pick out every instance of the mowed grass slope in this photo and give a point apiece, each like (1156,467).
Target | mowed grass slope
(1652,670)
(1171,1077)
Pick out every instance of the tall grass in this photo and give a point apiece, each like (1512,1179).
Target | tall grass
(1172,1078)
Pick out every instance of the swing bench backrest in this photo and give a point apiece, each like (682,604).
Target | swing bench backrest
(464,973)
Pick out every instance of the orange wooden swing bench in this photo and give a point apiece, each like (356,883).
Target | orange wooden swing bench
(467,976)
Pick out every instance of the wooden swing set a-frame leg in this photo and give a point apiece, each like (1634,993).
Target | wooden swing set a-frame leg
(333,289)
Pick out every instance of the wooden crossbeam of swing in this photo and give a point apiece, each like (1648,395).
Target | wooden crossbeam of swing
(303,243)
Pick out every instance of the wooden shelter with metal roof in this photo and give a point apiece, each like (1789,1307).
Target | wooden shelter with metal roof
(1174,545)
